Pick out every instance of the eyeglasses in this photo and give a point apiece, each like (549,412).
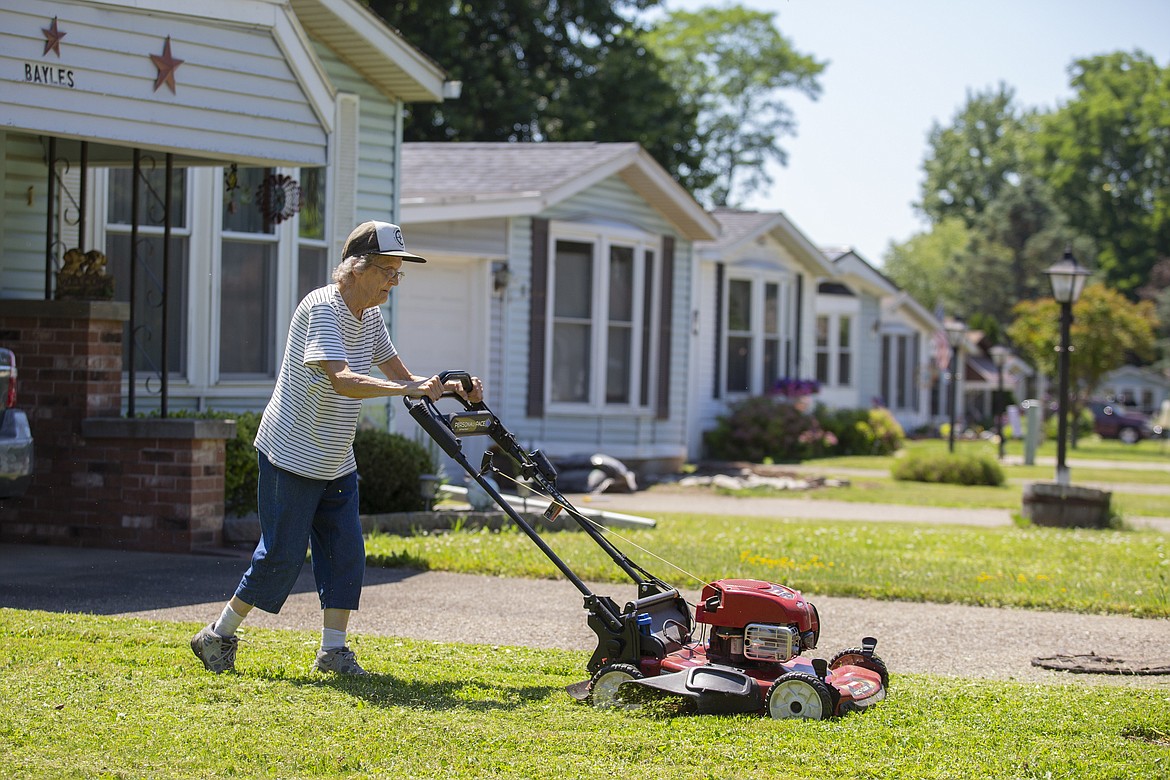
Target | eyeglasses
(391,274)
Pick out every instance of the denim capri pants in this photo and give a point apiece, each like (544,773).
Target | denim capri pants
(298,512)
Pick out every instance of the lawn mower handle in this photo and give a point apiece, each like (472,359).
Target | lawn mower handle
(464,378)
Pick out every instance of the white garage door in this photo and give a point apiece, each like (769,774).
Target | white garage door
(442,316)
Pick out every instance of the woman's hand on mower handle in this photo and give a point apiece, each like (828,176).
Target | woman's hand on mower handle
(430,388)
(456,386)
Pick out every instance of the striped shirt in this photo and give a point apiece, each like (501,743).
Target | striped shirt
(307,428)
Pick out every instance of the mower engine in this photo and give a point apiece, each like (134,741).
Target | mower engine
(756,623)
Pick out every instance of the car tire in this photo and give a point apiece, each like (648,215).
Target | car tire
(1129,435)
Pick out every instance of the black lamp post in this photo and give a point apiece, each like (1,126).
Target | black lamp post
(1068,280)
(956,333)
(999,356)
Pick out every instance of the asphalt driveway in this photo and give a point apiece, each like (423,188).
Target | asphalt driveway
(975,642)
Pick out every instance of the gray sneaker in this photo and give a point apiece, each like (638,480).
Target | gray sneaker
(339,661)
(218,653)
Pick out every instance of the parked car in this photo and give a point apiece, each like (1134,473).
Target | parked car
(16,441)
(1113,420)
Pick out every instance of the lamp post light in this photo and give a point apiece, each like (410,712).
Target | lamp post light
(999,356)
(956,334)
(1068,280)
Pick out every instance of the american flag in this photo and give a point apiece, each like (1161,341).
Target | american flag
(942,350)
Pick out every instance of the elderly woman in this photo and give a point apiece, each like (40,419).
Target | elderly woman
(308,487)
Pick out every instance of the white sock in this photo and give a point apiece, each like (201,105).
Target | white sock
(228,621)
(332,639)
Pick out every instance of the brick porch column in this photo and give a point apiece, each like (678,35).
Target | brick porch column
(102,480)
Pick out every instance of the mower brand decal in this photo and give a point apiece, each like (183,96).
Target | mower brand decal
(470,424)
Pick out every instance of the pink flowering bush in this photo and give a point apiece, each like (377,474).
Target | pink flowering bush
(775,427)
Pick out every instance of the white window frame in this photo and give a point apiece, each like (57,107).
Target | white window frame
(759,280)
(833,348)
(602,238)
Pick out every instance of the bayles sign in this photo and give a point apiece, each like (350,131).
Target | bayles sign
(47,74)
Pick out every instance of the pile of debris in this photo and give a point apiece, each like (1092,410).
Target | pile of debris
(744,476)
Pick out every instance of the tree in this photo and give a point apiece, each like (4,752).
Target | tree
(1106,154)
(925,265)
(1107,329)
(567,71)
(1017,235)
(969,163)
(731,64)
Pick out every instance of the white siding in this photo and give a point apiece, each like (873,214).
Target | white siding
(378,145)
(22,226)
(235,96)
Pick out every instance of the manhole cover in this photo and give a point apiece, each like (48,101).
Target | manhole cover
(1092,663)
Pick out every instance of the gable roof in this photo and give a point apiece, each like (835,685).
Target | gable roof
(478,180)
(854,270)
(373,48)
(740,226)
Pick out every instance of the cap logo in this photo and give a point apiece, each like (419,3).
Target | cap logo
(398,238)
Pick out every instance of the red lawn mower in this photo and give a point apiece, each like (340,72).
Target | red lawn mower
(747,657)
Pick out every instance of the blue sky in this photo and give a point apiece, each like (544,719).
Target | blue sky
(896,67)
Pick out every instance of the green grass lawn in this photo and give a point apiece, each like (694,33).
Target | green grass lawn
(87,696)
(881,488)
(887,490)
(1125,572)
(1091,449)
(101,697)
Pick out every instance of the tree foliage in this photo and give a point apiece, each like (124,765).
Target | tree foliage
(1106,154)
(1107,329)
(1017,236)
(565,71)
(924,266)
(731,65)
(971,161)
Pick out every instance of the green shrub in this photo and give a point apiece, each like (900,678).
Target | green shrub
(389,466)
(760,428)
(953,469)
(862,431)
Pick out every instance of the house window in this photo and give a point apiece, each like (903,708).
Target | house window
(823,349)
(247,317)
(144,350)
(900,370)
(771,335)
(844,350)
(313,265)
(601,311)
(834,343)
(739,336)
(752,334)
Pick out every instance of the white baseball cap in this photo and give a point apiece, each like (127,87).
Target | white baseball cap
(378,238)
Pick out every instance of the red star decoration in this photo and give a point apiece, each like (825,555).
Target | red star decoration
(53,38)
(167,65)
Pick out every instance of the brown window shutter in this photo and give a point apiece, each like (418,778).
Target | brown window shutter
(666,312)
(537,317)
